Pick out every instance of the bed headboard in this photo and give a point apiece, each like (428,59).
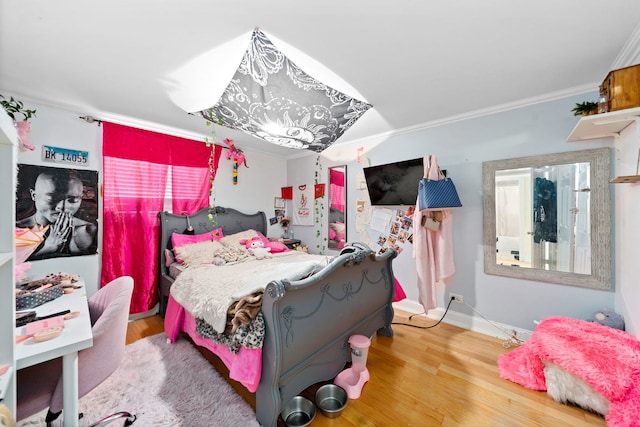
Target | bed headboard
(230,220)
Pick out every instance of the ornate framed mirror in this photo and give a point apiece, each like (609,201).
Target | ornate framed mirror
(337,230)
(548,218)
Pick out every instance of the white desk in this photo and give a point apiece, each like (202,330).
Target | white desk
(75,337)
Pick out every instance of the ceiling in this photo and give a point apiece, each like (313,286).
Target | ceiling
(417,62)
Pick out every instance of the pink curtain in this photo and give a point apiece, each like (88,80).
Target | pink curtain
(136,167)
(190,186)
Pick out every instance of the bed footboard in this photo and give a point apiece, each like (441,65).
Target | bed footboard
(309,322)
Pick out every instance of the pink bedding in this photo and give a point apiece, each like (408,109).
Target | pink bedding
(244,367)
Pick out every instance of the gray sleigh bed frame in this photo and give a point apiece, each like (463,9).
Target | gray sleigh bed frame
(308,322)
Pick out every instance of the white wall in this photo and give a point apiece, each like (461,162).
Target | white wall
(461,148)
(627,207)
(256,188)
(59,128)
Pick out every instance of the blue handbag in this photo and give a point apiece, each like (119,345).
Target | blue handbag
(437,194)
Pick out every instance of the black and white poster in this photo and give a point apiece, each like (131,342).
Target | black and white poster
(56,212)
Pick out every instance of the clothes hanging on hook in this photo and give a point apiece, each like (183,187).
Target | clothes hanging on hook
(432,246)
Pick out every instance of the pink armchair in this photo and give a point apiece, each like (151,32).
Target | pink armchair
(40,386)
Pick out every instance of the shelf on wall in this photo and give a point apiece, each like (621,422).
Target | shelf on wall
(604,125)
(628,179)
(625,179)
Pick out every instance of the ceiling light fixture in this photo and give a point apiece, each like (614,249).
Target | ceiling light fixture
(271,98)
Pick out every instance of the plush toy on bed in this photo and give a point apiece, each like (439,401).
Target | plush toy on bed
(608,318)
(256,247)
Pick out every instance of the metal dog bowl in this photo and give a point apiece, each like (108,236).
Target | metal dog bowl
(331,399)
(299,412)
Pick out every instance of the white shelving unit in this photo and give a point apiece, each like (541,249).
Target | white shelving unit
(604,125)
(609,125)
(8,162)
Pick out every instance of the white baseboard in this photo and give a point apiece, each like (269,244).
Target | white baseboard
(465,321)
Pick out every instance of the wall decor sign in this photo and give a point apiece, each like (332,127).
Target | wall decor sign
(279,203)
(65,155)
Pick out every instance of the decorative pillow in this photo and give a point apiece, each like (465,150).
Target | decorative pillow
(338,227)
(216,234)
(275,246)
(198,253)
(332,233)
(178,240)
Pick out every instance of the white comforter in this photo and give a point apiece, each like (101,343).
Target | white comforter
(207,291)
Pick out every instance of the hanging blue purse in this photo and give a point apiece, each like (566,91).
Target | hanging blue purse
(437,194)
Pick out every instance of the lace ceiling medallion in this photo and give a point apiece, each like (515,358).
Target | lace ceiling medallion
(270,98)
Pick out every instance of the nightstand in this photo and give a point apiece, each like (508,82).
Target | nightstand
(290,243)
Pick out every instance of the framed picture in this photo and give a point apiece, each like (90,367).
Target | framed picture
(56,212)
(278,202)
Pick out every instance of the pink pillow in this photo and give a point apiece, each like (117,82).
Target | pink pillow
(332,234)
(216,234)
(178,240)
(275,246)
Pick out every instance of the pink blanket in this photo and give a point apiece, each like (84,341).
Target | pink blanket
(607,359)
(244,367)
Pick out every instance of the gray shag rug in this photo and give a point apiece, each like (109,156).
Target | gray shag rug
(164,385)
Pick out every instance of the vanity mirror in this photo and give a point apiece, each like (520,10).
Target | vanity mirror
(548,218)
(337,207)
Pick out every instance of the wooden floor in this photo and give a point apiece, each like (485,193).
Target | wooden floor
(443,376)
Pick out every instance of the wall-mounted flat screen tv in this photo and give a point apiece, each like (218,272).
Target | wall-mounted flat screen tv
(394,183)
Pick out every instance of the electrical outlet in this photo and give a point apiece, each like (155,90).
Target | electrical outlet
(456,297)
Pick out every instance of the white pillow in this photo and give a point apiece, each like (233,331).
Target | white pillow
(198,253)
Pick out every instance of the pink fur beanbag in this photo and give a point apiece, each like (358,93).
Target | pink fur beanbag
(607,359)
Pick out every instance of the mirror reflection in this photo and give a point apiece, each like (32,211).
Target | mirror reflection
(543,217)
(337,236)
(548,218)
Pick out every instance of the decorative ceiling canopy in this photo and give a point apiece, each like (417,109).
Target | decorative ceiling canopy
(269,97)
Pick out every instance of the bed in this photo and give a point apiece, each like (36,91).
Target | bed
(307,322)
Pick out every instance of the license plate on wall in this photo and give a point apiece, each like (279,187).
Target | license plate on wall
(64,155)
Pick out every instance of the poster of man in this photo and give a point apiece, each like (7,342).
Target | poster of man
(56,212)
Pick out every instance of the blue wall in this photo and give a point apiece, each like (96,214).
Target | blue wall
(461,147)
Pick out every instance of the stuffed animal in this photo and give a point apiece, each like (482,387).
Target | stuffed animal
(256,247)
(608,318)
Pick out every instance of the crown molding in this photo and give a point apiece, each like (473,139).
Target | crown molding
(552,96)
(630,52)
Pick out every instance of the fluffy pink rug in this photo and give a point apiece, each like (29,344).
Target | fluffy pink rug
(165,385)
(607,359)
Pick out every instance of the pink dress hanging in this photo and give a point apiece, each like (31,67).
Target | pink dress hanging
(432,245)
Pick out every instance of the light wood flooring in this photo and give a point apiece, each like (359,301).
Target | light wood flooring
(443,376)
